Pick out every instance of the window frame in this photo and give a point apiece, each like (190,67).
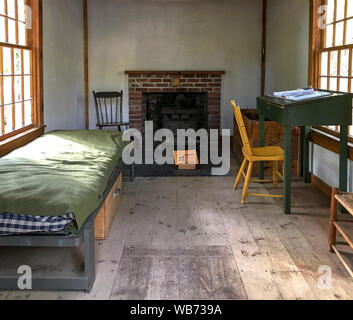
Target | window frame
(17,138)
(317,46)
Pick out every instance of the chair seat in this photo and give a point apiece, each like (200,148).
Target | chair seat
(265,154)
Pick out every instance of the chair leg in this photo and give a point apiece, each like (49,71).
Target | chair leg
(247,182)
(240,174)
(275,176)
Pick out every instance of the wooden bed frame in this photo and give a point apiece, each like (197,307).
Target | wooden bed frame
(56,240)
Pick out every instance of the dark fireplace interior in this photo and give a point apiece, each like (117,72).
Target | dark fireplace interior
(176,110)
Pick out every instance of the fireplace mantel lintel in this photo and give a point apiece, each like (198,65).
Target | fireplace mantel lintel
(174,72)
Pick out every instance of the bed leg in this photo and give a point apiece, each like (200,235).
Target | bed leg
(89,252)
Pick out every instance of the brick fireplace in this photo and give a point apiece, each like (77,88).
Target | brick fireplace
(208,82)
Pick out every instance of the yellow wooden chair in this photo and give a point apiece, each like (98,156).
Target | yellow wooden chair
(251,155)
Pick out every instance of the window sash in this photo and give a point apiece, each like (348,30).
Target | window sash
(19,109)
(334,79)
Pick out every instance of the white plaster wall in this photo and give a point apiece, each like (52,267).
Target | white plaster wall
(325,165)
(287,44)
(177,35)
(63,64)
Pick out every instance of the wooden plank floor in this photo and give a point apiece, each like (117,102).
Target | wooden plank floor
(190,238)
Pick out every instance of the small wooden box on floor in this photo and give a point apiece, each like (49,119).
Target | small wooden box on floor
(108,211)
(186,159)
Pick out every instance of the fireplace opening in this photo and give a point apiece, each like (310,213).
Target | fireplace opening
(173,111)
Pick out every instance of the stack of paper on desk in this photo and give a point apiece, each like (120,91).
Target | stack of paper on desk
(301,94)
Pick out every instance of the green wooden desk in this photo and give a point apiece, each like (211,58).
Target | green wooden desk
(331,110)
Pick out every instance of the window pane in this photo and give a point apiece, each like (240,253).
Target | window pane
(339,33)
(12,31)
(333,84)
(323,83)
(8,118)
(11,8)
(17,56)
(21,10)
(344,63)
(333,63)
(7,60)
(28,113)
(21,33)
(324,64)
(18,88)
(18,118)
(330,10)
(2,8)
(349,36)
(340,9)
(7,90)
(27,87)
(350,8)
(344,84)
(329,36)
(26,62)
(2,29)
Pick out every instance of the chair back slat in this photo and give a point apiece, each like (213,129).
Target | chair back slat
(111,109)
(116,110)
(242,130)
(100,111)
(121,109)
(109,105)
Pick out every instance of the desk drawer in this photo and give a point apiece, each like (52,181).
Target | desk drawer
(107,214)
(270,111)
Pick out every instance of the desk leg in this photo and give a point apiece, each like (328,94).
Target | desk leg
(343,158)
(287,169)
(261,144)
(305,155)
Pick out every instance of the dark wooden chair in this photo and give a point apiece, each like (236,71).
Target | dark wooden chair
(109,108)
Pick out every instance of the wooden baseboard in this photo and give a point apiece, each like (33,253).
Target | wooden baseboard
(321,185)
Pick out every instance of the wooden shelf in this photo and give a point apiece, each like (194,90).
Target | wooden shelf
(346,200)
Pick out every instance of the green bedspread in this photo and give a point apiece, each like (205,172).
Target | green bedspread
(61,172)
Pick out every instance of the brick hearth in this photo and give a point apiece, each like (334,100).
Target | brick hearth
(140,82)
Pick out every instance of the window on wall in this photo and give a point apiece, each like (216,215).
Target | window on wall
(333,47)
(19,67)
